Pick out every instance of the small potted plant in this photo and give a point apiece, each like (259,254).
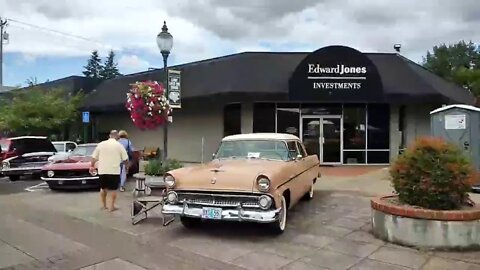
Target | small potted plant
(154,171)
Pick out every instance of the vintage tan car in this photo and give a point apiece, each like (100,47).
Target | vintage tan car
(253,177)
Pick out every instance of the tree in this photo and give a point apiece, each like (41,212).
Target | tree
(93,67)
(110,69)
(32,81)
(39,111)
(458,63)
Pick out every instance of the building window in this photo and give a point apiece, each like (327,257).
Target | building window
(354,117)
(288,119)
(321,109)
(232,119)
(378,124)
(264,117)
(378,157)
(354,157)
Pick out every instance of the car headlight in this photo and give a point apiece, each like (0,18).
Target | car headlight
(263,184)
(5,165)
(50,173)
(170,181)
(265,201)
(94,173)
(172,197)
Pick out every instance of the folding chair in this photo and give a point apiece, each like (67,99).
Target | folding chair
(143,204)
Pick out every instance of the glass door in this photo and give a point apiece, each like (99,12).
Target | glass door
(331,142)
(322,137)
(311,135)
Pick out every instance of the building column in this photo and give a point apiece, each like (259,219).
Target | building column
(395,137)
(247,118)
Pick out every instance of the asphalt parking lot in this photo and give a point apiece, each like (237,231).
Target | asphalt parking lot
(41,229)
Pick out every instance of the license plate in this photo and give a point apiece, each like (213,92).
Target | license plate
(60,182)
(84,181)
(211,213)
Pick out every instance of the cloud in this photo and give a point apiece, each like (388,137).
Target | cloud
(210,28)
(132,63)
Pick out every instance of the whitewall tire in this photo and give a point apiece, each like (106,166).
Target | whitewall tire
(279,226)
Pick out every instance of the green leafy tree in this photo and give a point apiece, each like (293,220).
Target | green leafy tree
(93,67)
(110,69)
(458,63)
(39,111)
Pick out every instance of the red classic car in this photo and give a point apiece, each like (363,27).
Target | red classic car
(72,172)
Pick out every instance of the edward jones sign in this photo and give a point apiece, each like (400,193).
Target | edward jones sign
(336,74)
(337,77)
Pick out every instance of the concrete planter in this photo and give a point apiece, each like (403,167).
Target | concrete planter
(435,229)
(156,185)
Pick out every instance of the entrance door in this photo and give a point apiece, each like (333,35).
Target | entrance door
(322,136)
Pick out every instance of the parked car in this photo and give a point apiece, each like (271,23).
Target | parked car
(64,147)
(25,155)
(253,177)
(72,172)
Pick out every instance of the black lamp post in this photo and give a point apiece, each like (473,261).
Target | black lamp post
(165,44)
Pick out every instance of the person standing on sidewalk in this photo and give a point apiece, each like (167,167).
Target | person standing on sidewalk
(109,154)
(127,144)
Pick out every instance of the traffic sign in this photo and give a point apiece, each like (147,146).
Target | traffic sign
(86,117)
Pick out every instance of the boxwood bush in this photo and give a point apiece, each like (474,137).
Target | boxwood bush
(433,174)
(156,167)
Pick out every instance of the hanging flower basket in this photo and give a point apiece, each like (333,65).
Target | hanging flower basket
(147,104)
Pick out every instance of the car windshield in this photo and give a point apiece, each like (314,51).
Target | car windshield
(59,146)
(84,150)
(263,149)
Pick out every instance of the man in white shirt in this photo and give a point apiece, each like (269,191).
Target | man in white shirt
(109,154)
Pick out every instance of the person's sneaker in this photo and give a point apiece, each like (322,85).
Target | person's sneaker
(122,189)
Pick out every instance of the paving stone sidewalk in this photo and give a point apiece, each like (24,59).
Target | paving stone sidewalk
(52,230)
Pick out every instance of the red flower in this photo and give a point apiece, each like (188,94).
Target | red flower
(139,99)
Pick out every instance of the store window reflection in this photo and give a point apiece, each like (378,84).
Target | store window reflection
(288,120)
(354,126)
(378,126)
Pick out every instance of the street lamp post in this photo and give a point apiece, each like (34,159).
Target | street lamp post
(165,44)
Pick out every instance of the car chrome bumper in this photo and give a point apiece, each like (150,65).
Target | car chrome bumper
(88,178)
(20,170)
(239,214)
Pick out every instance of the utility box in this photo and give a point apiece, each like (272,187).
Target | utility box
(459,124)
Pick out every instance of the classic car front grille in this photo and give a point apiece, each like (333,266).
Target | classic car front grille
(27,164)
(219,200)
(67,174)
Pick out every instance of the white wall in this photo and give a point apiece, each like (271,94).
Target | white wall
(417,121)
(184,133)
(395,138)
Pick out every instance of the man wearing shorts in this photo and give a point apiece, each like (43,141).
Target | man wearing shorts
(109,154)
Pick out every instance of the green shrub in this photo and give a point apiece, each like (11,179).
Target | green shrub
(154,167)
(158,168)
(433,174)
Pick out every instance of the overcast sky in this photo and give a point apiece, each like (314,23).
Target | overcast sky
(210,28)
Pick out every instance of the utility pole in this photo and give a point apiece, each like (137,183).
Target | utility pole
(3,24)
